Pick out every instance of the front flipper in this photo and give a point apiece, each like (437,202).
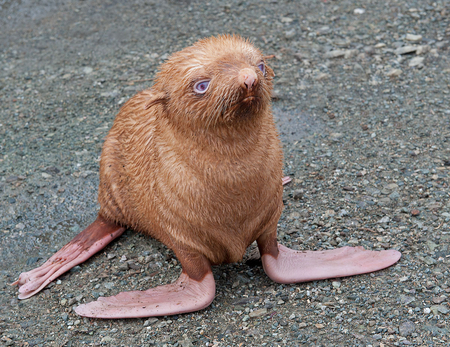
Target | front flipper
(194,290)
(182,296)
(284,265)
(92,239)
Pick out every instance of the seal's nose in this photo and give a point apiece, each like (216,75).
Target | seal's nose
(248,79)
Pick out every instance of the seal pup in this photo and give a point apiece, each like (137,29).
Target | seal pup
(195,162)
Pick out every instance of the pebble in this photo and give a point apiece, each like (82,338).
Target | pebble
(413,38)
(405,50)
(335,54)
(150,321)
(438,299)
(290,34)
(439,309)
(393,72)
(258,313)
(416,61)
(407,328)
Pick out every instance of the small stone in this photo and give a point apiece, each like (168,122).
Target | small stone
(46,175)
(377,336)
(384,220)
(335,54)
(302,325)
(359,11)
(426,310)
(406,328)
(336,284)
(107,339)
(413,38)
(258,313)
(20,226)
(431,245)
(87,70)
(405,50)
(416,61)
(438,299)
(109,285)
(391,186)
(150,321)
(63,302)
(297,194)
(280,302)
(439,309)
(319,326)
(394,73)
(290,34)
(415,212)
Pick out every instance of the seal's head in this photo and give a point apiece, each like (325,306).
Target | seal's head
(217,81)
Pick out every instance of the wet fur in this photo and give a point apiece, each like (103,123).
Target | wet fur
(198,172)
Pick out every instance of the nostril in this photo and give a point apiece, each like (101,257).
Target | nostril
(249,81)
(247,78)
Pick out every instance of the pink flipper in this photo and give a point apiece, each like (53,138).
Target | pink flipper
(91,240)
(291,266)
(182,296)
(285,180)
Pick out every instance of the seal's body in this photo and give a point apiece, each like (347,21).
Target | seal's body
(196,162)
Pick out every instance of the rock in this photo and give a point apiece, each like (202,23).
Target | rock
(405,50)
(416,61)
(359,11)
(87,70)
(297,194)
(290,34)
(335,54)
(258,313)
(394,73)
(413,38)
(384,220)
(438,299)
(336,284)
(436,309)
(431,245)
(150,321)
(406,328)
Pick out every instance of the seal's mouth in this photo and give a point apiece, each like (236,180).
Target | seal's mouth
(250,98)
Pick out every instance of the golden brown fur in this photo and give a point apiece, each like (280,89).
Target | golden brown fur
(198,172)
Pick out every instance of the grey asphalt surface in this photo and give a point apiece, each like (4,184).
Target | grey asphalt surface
(362,104)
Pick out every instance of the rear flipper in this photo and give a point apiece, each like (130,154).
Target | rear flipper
(194,290)
(284,265)
(91,240)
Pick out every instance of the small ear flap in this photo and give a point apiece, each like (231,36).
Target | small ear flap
(154,98)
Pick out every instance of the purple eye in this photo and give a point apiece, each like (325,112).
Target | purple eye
(262,67)
(201,86)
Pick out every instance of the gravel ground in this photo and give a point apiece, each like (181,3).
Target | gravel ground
(362,102)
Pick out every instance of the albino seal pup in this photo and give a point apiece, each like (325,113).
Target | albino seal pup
(195,162)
